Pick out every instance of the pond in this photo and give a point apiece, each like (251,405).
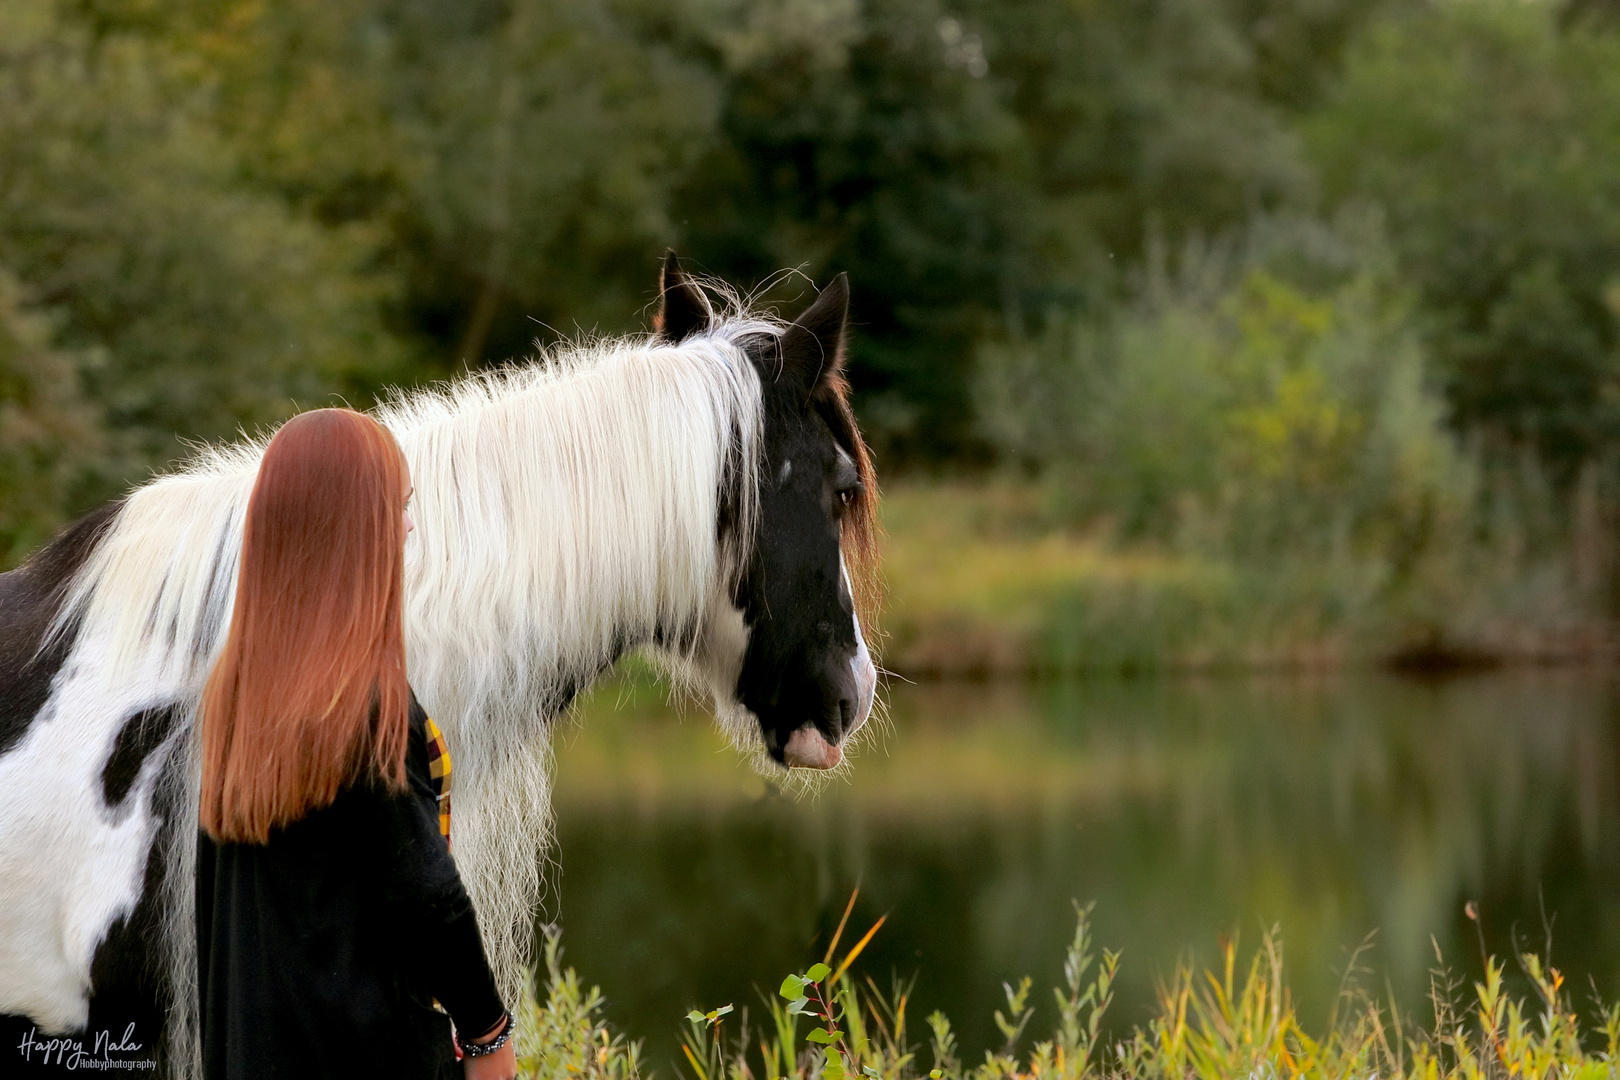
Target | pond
(1331,807)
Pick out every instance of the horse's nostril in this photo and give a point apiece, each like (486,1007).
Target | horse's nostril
(846,715)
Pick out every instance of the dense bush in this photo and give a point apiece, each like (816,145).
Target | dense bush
(525,161)
(1491,136)
(210,303)
(50,441)
(1266,406)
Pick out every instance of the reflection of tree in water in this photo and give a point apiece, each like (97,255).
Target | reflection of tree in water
(1336,810)
(1188,810)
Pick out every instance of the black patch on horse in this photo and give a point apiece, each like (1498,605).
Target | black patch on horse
(30,597)
(141,734)
(801,616)
(129,977)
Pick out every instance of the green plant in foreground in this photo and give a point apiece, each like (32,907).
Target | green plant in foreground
(1235,1023)
(567,1038)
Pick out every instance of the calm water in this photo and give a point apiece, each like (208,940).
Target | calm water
(1186,809)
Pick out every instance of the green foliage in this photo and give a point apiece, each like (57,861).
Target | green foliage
(50,441)
(1235,1021)
(567,1037)
(522,163)
(1209,1025)
(1237,400)
(210,303)
(970,164)
(1491,136)
(1265,409)
(524,160)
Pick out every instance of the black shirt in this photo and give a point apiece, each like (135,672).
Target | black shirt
(319,953)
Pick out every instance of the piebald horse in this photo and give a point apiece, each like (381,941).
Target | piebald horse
(701,493)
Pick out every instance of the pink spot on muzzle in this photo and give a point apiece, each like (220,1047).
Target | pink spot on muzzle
(807,748)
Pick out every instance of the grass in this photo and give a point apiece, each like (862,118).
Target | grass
(978,585)
(1237,1021)
(983,580)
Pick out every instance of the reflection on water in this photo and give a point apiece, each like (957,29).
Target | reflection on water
(1187,809)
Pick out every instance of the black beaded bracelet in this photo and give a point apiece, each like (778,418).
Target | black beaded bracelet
(472,1049)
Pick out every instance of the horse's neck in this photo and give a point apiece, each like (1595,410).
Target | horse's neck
(553,533)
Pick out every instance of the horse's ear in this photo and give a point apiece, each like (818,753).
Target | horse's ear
(683,310)
(813,346)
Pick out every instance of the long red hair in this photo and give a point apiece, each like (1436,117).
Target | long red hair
(309,694)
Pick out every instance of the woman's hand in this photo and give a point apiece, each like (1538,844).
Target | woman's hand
(501,1065)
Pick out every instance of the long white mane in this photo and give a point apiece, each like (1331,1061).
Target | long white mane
(566,510)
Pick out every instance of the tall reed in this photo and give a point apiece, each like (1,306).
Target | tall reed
(1236,1022)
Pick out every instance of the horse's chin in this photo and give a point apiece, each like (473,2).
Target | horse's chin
(807,748)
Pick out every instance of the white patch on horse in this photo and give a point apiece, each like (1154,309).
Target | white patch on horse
(861,664)
(70,866)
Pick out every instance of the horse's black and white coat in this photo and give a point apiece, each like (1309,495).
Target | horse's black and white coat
(695,492)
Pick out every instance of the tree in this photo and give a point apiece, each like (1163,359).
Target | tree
(50,439)
(212,304)
(1492,139)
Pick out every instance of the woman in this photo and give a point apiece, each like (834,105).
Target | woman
(332,925)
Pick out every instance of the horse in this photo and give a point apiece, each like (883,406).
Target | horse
(701,493)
